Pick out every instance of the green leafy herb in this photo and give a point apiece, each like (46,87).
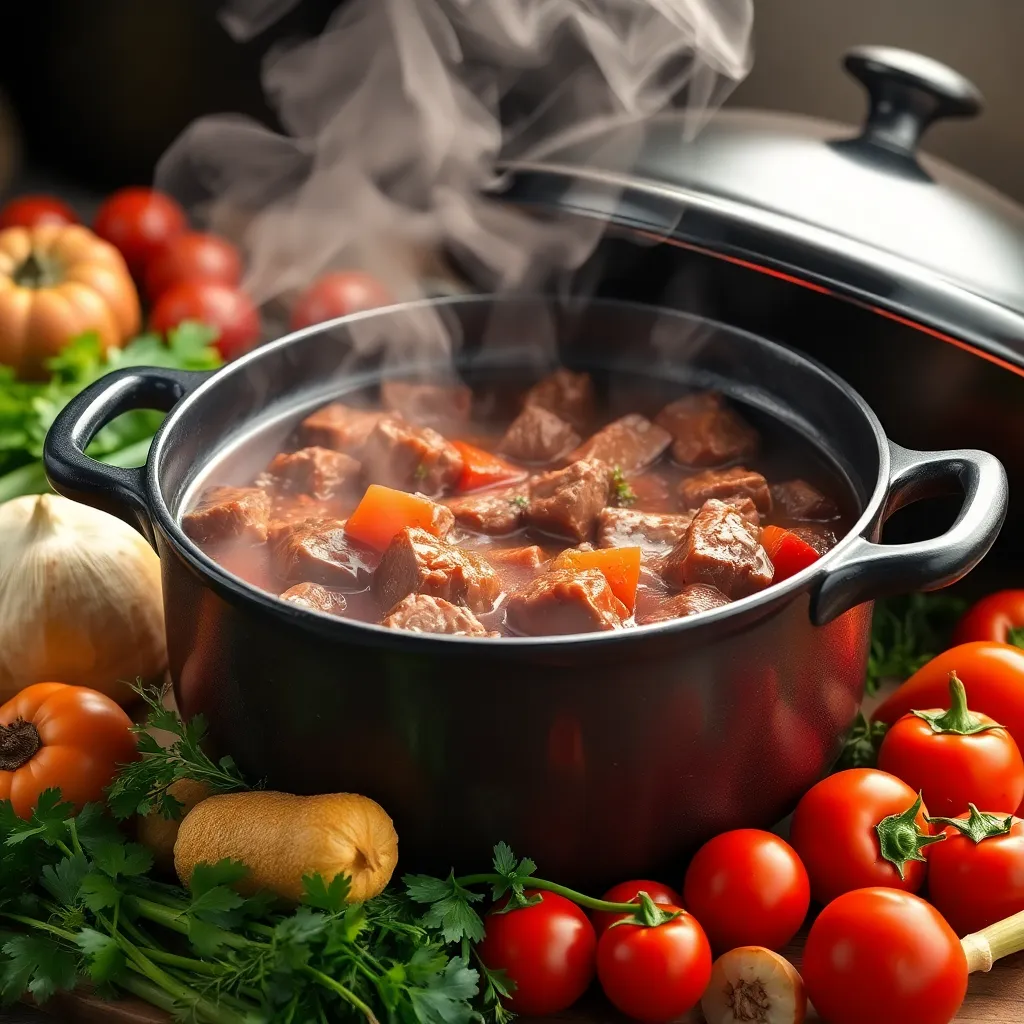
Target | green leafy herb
(907,632)
(451,907)
(862,744)
(514,876)
(623,494)
(28,408)
(519,501)
(143,785)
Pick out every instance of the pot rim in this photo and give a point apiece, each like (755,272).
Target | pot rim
(323,622)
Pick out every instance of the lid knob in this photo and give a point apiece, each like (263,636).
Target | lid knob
(907,92)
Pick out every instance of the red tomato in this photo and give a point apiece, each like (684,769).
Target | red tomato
(31,211)
(992,674)
(338,294)
(787,552)
(835,833)
(139,221)
(654,974)
(878,956)
(189,257)
(221,306)
(547,949)
(975,880)
(998,617)
(627,892)
(747,888)
(955,758)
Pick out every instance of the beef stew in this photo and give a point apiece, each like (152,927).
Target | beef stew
(572,515)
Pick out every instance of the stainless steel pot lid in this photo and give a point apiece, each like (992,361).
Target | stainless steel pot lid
(863,212)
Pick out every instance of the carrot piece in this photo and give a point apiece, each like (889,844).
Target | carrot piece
(383,512)
(788,553)
(482,469)
(621,568)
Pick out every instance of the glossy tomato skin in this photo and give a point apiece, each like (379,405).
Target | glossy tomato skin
(139,222)
(880,956)
(992,674)
(654,974)
(992,618)
(31,211)
(973,884)
(338,294)
(747,888)
(952,770)
(83,736)
(547,949)
(627,892)
(833,833)
(221,306)
(190,257)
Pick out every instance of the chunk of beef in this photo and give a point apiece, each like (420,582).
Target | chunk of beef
(538,436)
(797,499)
(421,613)
(653,532)
(410,458)
(747,509)
(722,550)
(319,472)
(492,512)
(629,444)
(316,597)
(563,601)
(416,562)
(427,403)
(229,513)
(570,396)
(707,432)
(319,550)
(819,537)
(528,557)
(728,485)
(340,427)
(567,501)
(691,600)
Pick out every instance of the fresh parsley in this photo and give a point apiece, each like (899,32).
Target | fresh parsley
(623,494)
(28,408)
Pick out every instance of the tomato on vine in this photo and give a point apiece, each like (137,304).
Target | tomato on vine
(861,828)
(955,758)
(656,967)
(546,949)
(629,892)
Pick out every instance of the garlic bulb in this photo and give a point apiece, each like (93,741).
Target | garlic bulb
(80,599)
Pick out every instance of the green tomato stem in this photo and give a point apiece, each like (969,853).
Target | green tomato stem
(579,898)
(958,720)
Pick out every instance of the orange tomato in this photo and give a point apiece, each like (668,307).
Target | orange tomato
(56,736)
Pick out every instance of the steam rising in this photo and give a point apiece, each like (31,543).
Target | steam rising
(397,113)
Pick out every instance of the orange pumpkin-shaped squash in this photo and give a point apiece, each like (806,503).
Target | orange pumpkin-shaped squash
(58,281)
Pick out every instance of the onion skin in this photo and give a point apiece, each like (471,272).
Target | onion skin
(80,599)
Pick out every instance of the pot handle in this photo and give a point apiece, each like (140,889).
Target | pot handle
(867,571)
(72,473)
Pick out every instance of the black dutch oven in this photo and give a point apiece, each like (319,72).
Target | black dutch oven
(602,756)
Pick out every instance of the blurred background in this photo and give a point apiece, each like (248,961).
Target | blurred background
(94,92)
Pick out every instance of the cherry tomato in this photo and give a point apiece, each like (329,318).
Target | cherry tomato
(977,879)
(627,892)
(221,306)
(879,956)
(189,257)
(31,211)
(955,758)
(338,294)
(998,617)
(654,974)
(992,674)
(747,888)
(835,832)
(547,949)
(139,221)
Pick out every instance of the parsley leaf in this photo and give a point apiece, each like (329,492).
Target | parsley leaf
(623,494)
(35,964)
(102,954)
(48,821)
(862,745)
(450,906)
(98,892)
(514,876)
(445,997)
(332,898)
(121,860)
(63,880)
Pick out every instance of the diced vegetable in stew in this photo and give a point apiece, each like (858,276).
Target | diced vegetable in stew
(424,512)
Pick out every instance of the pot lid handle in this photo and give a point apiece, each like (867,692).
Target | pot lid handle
(907,92)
